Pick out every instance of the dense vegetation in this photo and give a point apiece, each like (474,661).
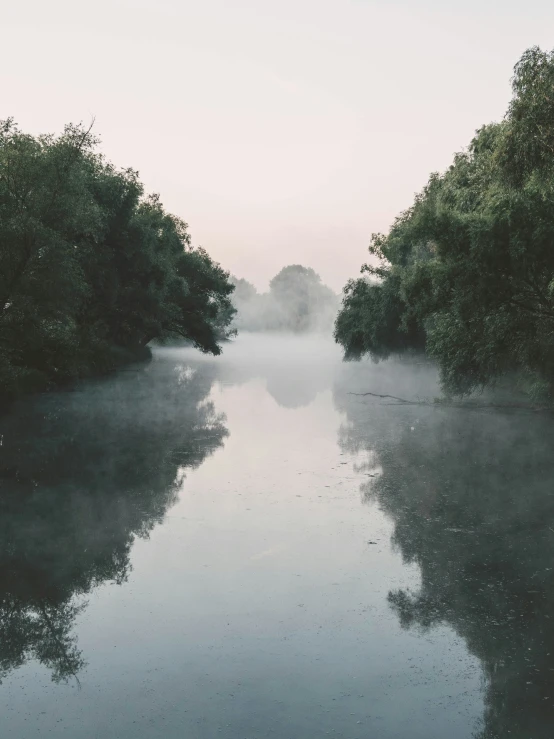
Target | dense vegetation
(467,273)
(91,269)
(297,301)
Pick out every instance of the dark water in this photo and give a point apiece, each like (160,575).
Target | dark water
(240,548)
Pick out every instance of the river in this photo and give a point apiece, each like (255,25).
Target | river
(245,546)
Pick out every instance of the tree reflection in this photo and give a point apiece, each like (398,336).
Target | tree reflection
(471,495)
(82,474)
(295,369)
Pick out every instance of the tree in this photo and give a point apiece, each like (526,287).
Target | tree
(244,290)
(467,272)
(91,269)
(297,301)
(46,212)
(301,297)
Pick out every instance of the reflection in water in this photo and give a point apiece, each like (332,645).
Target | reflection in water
(268,584)
(295,368)
(82,474)
(472,501)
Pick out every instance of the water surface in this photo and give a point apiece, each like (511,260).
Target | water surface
(240,547)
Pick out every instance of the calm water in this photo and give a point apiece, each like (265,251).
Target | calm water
(240,548)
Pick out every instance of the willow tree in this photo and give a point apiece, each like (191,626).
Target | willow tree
(468,271)
(91,268)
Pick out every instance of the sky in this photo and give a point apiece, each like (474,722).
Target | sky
(282,131)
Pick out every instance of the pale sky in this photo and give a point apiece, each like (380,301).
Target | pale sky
(282,131)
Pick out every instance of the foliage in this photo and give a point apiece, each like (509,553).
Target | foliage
(468,271)
(92,270)
(373,320)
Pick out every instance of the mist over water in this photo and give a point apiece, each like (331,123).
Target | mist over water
(244,546)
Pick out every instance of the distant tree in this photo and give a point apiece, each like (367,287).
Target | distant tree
(244,290)
(297,291)
(297,301)
(248,304)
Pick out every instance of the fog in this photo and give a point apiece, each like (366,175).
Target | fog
(297,301)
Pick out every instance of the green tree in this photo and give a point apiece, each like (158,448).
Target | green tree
(467,272)
(91,269)
(46,213)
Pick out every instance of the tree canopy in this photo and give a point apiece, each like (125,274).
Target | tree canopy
(467,273)
(91,268)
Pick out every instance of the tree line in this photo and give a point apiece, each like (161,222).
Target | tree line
(91,268)
(466,274)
